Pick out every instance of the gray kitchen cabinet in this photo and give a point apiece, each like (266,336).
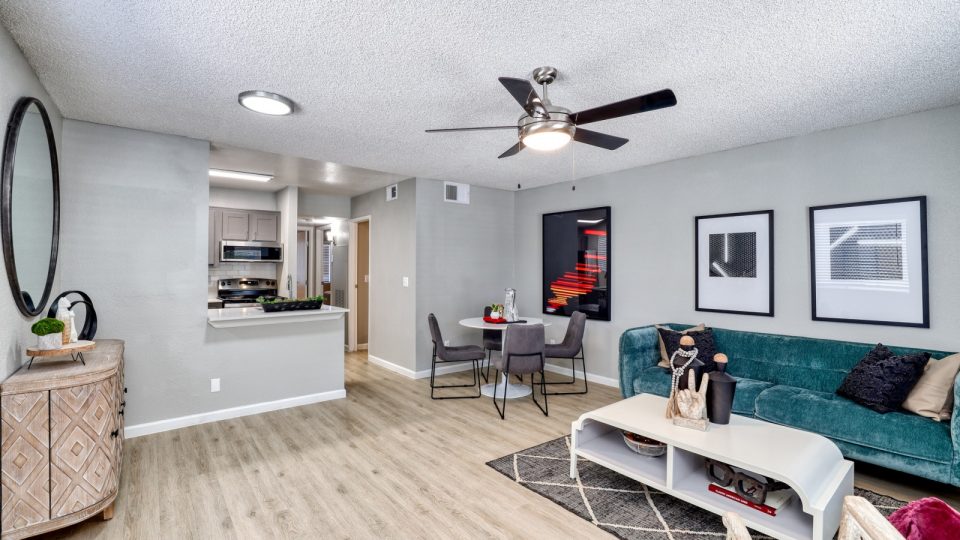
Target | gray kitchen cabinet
(213,235)
(236,225)
(264,226)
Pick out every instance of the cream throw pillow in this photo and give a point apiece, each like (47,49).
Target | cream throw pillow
(664,359)
(930,397)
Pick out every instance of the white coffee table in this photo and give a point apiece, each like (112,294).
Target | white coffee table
(809,463)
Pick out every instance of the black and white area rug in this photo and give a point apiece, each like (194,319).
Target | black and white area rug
(621,506)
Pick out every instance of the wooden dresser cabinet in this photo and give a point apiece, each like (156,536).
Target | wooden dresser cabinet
(61,446)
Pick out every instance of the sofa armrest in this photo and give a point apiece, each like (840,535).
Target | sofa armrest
(639,349)
(955,431)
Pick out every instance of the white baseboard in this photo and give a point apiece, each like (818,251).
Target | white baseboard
(423,374)
(591,377)
(234,412)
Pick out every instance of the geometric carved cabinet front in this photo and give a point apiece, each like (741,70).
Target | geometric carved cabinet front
(83,470)
(61,444)
(24,459)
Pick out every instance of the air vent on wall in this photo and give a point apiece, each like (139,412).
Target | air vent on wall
(392,192)
(457,193)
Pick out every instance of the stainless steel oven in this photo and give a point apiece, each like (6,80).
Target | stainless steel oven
(232,251)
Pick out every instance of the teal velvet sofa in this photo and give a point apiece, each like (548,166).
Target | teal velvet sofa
(792,381)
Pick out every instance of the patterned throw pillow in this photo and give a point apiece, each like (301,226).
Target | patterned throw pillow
(882,381)
(703,341)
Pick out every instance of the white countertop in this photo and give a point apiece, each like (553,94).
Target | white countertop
(253,316)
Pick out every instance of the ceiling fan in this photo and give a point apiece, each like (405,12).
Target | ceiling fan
(545,126)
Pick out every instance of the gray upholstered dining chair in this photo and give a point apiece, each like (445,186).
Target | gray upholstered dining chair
(572,348)
(445,354)
(522,353)
(492,341)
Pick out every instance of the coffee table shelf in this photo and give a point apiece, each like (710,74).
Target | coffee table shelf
(809,463)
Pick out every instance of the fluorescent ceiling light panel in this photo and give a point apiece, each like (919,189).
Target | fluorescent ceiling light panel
(237,175)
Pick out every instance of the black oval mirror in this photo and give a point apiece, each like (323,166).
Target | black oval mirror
(30,205)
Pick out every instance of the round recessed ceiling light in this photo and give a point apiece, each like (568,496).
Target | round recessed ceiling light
(266,102)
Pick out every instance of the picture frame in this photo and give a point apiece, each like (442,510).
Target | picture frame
(868,262)
(733,263)
(577,262)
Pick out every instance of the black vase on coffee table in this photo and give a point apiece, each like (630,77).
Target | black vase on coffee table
(720,392)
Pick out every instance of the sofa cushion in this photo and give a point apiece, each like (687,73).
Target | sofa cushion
(882,381)
(656,380)
(839,418)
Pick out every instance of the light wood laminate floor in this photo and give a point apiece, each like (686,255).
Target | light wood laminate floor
(387,462)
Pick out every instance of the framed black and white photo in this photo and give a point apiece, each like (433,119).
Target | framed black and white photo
(869,262)
(734,263)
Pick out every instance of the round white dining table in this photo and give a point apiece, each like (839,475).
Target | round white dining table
(496,390)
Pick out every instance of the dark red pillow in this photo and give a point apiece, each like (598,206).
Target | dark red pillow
(927,519)
(882,381)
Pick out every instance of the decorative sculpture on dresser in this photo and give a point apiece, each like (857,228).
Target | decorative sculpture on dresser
(687,406)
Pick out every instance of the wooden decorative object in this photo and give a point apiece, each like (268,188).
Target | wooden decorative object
(861,520)
(72,348)
(62,440)
(692,404)
(736,528)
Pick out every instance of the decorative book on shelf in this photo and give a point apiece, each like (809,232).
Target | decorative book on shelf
(776,500)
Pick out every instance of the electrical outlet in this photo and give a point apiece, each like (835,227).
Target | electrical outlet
(446,343)
(214,385)
(553,341)
(406,281)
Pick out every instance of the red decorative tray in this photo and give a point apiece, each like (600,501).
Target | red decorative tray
(501,320)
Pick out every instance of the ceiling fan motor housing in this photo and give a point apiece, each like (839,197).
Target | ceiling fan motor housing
(558,120)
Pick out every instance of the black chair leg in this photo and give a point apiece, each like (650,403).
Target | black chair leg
(434,386)
(486,374)
(573,376)
(543,391)
(506,371)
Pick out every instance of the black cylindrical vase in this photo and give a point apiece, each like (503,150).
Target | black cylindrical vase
(720,395)
(696,366)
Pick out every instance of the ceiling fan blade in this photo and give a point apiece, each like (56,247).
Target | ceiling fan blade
(514,150)
(639,104)
(523,92)
(484,128)
(602,140)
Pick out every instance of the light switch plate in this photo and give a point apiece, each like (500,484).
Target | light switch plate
(214,385)
(406,281)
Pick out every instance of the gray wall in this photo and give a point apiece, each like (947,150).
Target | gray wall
(393,248)
(654,207)
(465,260)
(318,205)
(17,80)
(244,199)
(134,237)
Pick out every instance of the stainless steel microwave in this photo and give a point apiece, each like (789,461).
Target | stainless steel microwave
(232,251)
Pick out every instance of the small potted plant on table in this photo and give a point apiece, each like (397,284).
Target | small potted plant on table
(49,334)
(496,311)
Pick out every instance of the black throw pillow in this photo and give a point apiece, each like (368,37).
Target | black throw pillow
(702,340)
(882,381)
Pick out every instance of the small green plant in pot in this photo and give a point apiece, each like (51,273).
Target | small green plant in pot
(496,311)
(49,334)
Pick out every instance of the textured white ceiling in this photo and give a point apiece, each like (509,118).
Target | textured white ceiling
(369,77)
(318,176)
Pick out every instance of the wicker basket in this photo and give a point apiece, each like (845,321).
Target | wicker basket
(297,305)
(644,446)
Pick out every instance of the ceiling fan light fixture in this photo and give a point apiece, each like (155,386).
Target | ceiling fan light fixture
(547,140)
(266,102)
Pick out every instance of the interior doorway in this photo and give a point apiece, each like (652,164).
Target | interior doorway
(358,328)
(304,286)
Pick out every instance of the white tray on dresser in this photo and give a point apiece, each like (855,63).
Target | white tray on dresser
(809,463)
